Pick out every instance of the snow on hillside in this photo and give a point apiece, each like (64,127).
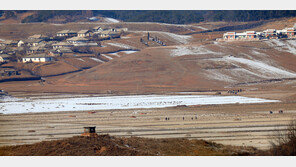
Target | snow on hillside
(108,57)
(247,70)
(191,50)
(261,67)
(97,60)
(182,39)
(286,46)
(111,20)
(120,45)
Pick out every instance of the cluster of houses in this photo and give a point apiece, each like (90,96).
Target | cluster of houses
(288,33)
(42,48)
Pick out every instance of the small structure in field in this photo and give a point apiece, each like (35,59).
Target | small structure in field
(90,131)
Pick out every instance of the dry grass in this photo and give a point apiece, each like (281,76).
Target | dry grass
(106,145)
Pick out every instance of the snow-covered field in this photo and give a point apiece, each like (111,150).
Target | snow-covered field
(19,105)
(286,46)
(111,20)
(262,67)
(97,60)
(247,70)
(182,39)
(120,45)
(108,57)
(191,50)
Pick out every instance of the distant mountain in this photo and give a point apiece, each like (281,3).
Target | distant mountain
(162,16)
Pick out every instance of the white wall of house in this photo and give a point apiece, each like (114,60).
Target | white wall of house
(37,60)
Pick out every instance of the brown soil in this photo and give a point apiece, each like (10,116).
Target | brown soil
(106,145)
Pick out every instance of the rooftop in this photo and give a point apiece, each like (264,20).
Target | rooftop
(83,31)
(38,56)
(77,39)
(66,31)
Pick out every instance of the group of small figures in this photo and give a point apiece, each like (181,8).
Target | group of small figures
(192,118)
(234,91)
(280,112)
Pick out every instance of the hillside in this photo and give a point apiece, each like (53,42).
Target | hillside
(106,145)
(196,66)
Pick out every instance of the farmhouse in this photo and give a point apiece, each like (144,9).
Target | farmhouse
(109,34)
(270,34)
(37,58)
(62,45)
(83,33)
(291,32)
(9,72)
(38,36)
(9,43)
(37,49)
(75,40)
(4,58)
(68,33)
(97,29)
(29,42)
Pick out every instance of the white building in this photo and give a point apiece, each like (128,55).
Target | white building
(38,58)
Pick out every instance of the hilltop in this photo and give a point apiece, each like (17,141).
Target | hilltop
(106,145)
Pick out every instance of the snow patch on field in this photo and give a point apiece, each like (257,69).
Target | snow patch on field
(191,50)
(120,45)
(218,75)
(118,102)
(200,27)
(247,70)
(129,51)
(114,54)
(261,67)
(286,46)
(108,57)
(97,60)
(182,39)
(111,20)
(80,59)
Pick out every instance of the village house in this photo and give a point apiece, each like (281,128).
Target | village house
(62,51)
(270,34)
(8,72)
(37,58)
(4,58)
(291,32)
(62,45)
(248,35)
(38,36)
(229,36)
(67,33)
(11,43)
(29,42)
(97,29)
(75,40)
(109,34)
(83,33)
(37,49)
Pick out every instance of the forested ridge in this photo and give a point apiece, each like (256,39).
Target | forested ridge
(162,16)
